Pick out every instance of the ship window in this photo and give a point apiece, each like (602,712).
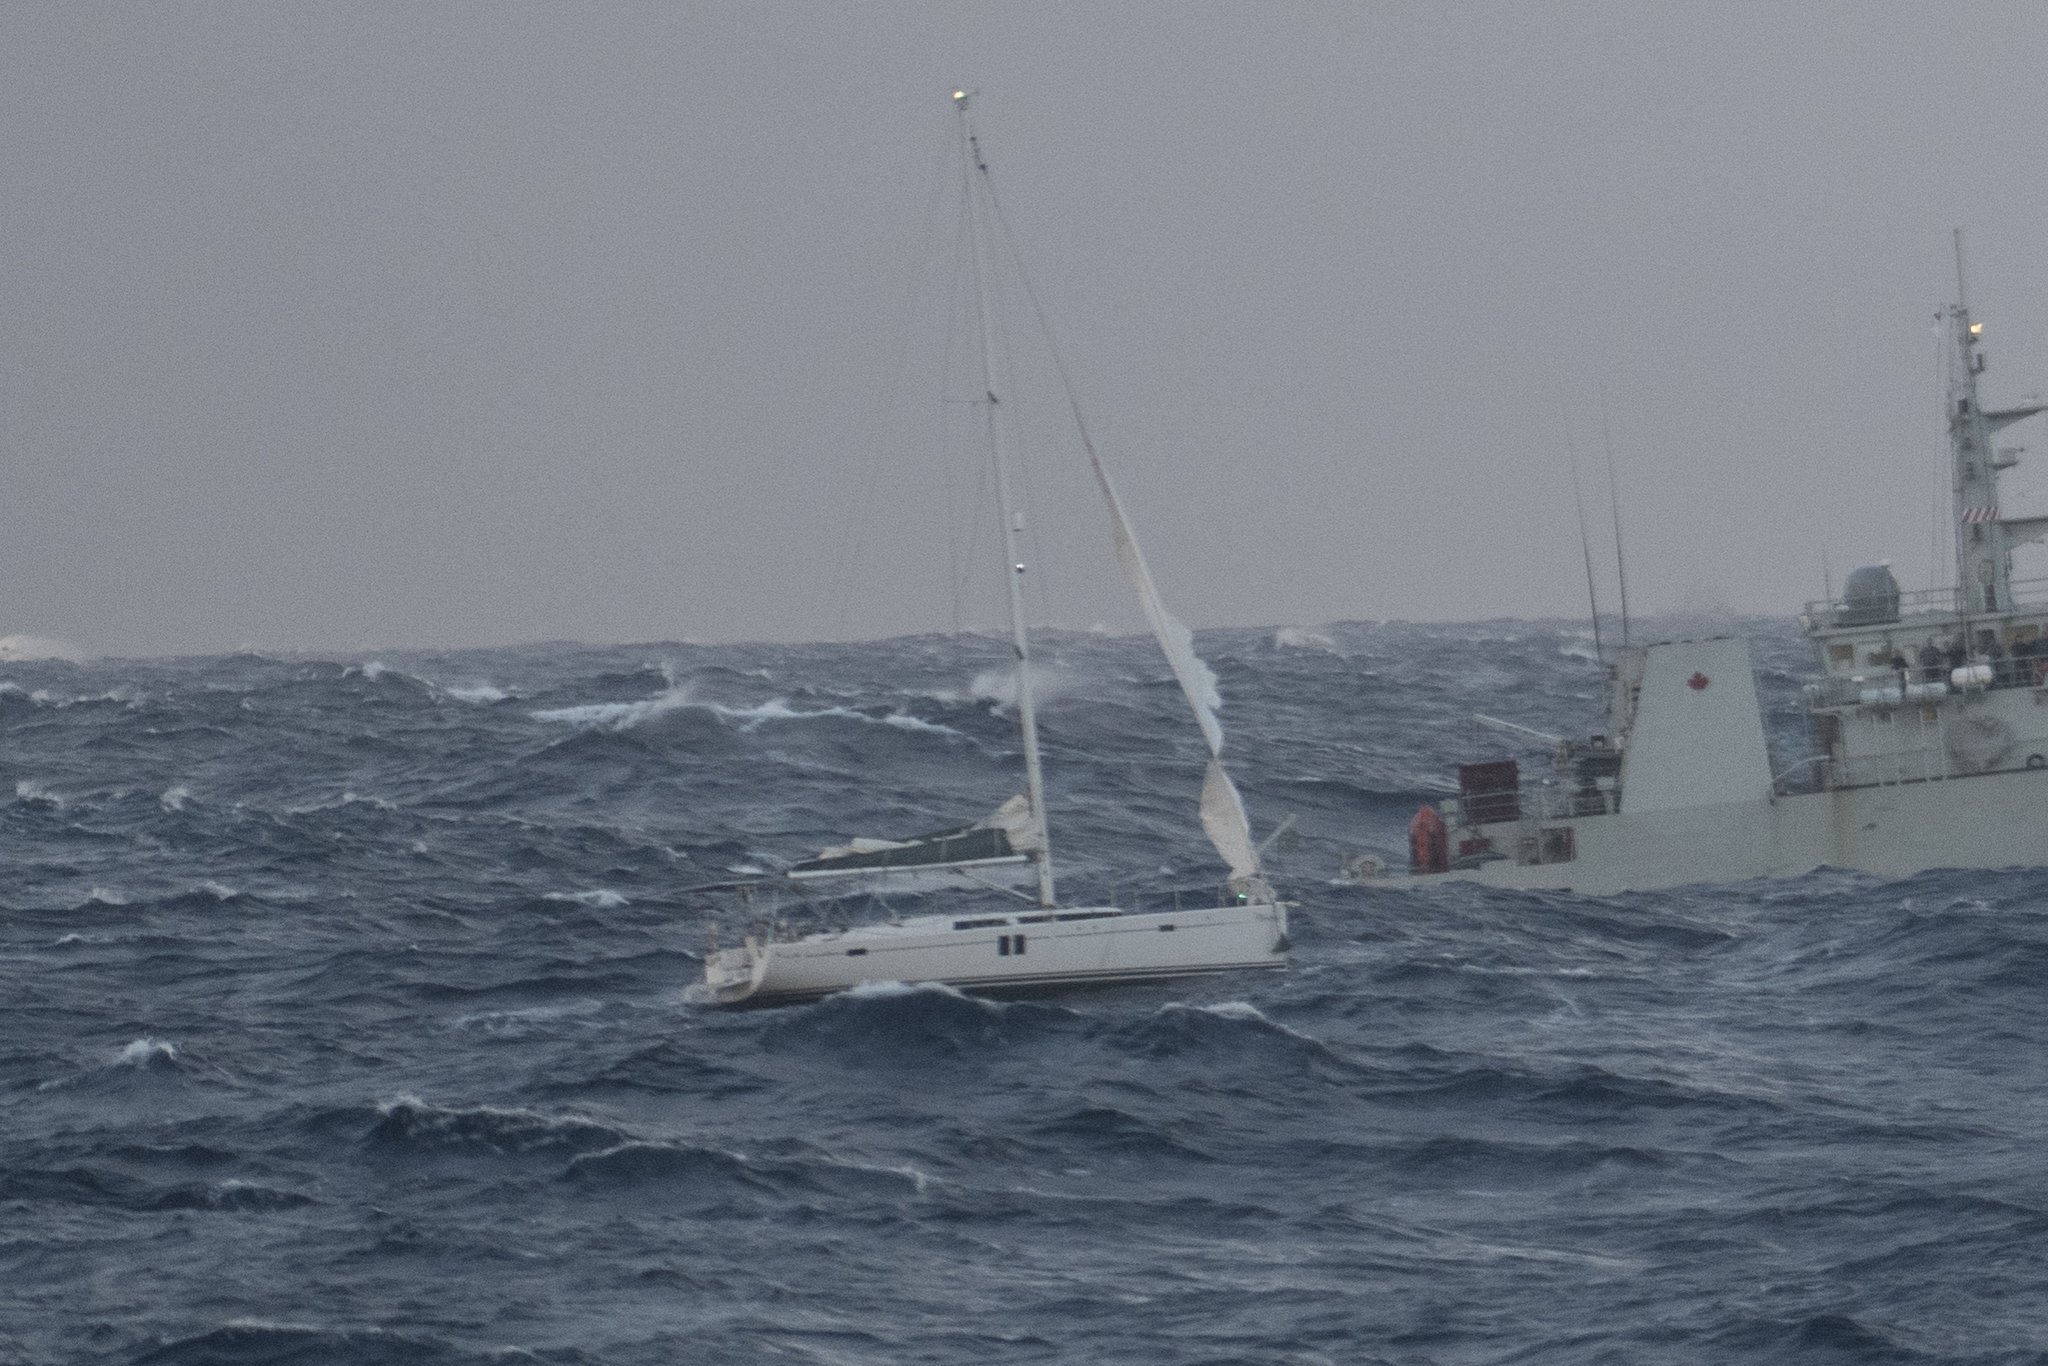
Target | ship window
(1841,654)
(1032,919)
(1087,915)
(855,953)
(1165,927)
(1003,945)
(1020,942)
(980,924)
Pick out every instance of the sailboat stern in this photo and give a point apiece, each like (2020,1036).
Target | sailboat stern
(733,975)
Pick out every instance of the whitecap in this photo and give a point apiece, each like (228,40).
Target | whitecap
(481,693)
(218,891)
(1233,1010)
(174,798)
(32,793)
(995,685)
(1302,638)
(905,721)
(145,1050)
(617,715)
(776,709)
(22,647)
(602,897)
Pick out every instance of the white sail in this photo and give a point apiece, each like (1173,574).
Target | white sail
(1224,821)
(1223,815)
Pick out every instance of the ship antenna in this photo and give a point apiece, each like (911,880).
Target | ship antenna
(1614,506)
(1962,295)
(1585,542)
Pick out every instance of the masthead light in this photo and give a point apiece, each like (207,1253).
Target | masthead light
(1976,329)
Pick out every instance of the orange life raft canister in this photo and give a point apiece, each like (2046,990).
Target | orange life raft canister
(1429,843)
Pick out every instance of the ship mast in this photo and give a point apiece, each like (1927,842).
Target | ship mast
(1984,540)
(1013,520)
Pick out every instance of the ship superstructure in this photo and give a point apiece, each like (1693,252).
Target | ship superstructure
(1929,716)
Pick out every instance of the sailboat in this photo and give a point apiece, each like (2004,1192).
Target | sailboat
(1042,944)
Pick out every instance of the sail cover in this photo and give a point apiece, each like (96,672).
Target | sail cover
(1006,835)
(1223,817)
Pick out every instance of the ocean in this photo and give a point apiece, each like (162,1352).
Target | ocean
(344,1017)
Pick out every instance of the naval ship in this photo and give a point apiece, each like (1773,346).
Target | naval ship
(1929,718)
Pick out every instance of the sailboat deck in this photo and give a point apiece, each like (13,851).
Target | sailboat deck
(937,924)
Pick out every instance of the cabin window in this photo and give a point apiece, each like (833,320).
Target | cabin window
(980,924)
(1841,654)
(855,953)
(1020,942)
(1560,845)
(1164,928)
(1003,946)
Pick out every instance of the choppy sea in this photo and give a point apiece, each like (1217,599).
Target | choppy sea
(343,1018)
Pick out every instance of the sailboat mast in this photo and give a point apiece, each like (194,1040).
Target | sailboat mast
(1013,519)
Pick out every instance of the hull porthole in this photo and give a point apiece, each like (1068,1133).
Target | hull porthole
(2037,761)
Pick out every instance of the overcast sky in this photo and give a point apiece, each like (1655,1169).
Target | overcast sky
(355,325)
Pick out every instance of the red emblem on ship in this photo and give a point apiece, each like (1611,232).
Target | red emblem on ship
(1698,682)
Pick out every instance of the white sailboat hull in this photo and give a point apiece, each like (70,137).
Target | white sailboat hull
(1013,953)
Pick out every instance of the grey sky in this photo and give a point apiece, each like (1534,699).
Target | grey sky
(348,325)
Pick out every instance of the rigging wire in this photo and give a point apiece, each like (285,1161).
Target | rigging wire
(942,415)
(1585,541)
(854,530)
(1059,363)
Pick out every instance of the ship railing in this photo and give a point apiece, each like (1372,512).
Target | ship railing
(1921,764)
(1923,603)
(1884,688)
(1547,802)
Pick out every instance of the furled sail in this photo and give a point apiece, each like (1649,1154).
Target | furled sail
(1223,816)
(1004,838)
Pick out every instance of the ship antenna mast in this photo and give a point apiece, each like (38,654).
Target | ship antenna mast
(1614,506)
(1983,556)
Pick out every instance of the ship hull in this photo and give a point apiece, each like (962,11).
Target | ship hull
(1005,955)
(1990,820)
